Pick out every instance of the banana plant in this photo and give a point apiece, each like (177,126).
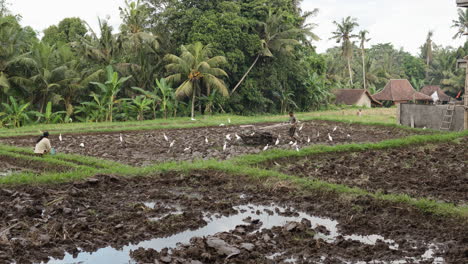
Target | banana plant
(109,91)
(50,117)
(140,105)
(16,113)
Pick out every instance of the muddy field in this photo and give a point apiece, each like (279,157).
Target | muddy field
(11,165)
(435,171)
(148,147)
(218,219)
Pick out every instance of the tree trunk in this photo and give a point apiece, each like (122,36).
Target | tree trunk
(245,75)
(193,102)
(350,71)
(364,69)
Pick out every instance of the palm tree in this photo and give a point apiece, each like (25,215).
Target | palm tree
(278,36)
(461,24)
(344,34)
(195,69)
(428,52)
(364,39)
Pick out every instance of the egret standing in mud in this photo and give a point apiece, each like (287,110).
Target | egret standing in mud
(297,148)
(335,128)
(187,149)
(60,137)
(165,137)
(121,138)
(228,137)
(266,147)
(330,137)
(82,145)
(277,142)
(172,144)
(206,140)
(237,137)
(225,146)
(318,134)
(308,139)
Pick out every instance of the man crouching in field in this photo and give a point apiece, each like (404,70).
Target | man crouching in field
(293,123)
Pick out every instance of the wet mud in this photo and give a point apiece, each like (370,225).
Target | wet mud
(148,147)
(438,171)
(218,218)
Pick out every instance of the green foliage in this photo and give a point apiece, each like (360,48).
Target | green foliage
(16,113)
(49,117)
(68,30)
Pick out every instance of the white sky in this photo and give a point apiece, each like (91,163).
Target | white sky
(404,23)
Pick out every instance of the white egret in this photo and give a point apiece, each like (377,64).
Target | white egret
(301,127)
(193,119)
(225,146)
(266,147)
(82,145)
(308,139)
(318,134)
(60,137)
(335,128)
(329,137)
(238,137)
(294,144)
(165,137)
(121,138)
(172,144)
(228,137)
(277,142)
(290,142)
(206,140)
(297,148)
(349,136)
(221,125)
(187,149)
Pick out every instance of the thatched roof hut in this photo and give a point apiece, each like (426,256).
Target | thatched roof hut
(431,89)
(359,97)
(400,91)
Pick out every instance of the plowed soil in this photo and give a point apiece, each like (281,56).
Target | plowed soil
(14,165)
(38,222)
(435,171)
(148,147)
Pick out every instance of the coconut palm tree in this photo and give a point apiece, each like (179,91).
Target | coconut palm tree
(363,38)
(278,36)
(461,24)
(344,34)
(194,70)
(428,52)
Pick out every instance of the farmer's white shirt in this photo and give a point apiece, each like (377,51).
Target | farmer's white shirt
(43,146)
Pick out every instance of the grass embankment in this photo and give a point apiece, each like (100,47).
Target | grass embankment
(354,147)
(376,116)
(240,166)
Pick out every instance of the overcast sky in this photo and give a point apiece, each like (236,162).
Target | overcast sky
(404,23)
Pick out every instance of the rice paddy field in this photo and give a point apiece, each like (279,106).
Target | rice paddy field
(346,189)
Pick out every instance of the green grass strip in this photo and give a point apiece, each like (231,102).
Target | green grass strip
(274,154)
(204,121)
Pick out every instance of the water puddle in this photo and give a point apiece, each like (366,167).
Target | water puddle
(270,216)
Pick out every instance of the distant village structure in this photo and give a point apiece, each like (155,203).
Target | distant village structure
(436,93)
(464,64)
(401,91)
(357,97)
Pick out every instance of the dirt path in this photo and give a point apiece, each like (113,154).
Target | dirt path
(147,147)
(434,171)
(105,212)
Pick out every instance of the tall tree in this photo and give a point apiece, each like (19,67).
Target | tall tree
(196,69)
(277,36)
(428,52)
(363,39)
(461,23)
(344,34)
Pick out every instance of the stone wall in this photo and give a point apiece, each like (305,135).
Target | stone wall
(429,116)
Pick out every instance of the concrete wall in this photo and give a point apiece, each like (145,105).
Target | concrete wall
(429,116)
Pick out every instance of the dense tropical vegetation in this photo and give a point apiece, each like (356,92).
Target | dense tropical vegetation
(179,57)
